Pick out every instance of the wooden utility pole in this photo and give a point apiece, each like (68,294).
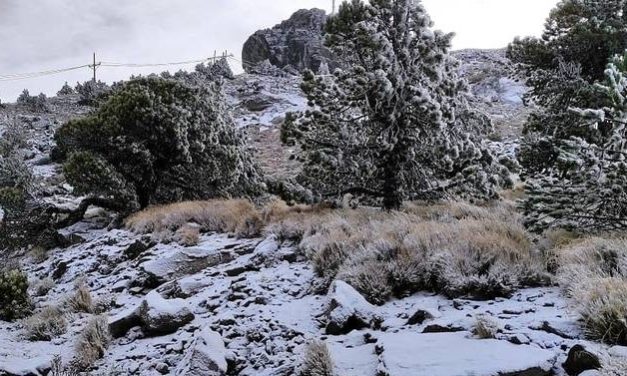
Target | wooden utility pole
(94,66)
(333,7)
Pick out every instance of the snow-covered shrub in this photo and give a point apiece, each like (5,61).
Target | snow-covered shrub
(317,361)
(396,125)
(92,343)
(66,90)
(48,323)
(157,141)
(15,302)
(92,93)
(239,217)
(369,276)
(37,103)
(219,69)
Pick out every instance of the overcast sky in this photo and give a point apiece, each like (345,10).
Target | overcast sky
(49,34)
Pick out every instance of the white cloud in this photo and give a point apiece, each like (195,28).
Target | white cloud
(45,34)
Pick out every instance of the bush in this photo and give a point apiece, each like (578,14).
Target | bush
(81,301)
(157,141)
(65,90)
(92,93)
(42,287)
(45,325)
(33,103)
(485,327)
(92,342)
(14,300)
(317,360)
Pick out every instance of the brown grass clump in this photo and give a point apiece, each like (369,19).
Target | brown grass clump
(230,216)
(485,327)
(188,235)
(81,301)
(454,248)
(45,325)
(92,342)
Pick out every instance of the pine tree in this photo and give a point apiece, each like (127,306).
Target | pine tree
(579,37)
(395,124)
(591,192)
(157,141)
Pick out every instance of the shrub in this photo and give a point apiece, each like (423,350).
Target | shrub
(42,287)
(45,325)
(65,90)
(34,103)
(92,343)
(92,93)
(14,300)
(317,361)
(188,235)
(156,141)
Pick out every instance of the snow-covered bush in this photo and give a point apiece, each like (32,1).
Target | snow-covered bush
(15,302)
(219,69)
(48,323)
(157,141)
(37,103)
(485,327)
(317,361)
(81,300)
(66,90)
(43,286)
(396,124)
(92,343)
(92,93)
(590,192)
(188,235)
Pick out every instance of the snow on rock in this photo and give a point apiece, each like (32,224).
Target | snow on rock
(348,310)
(205,357)
(160,316)
(454,354)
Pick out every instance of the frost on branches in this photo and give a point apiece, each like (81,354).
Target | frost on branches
(591,192)
(395,124)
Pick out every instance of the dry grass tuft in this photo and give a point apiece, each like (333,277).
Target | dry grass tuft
(43,287)
(317,360)
(188,235)
(593,272)
(485,327)
(454,248)
(92,342)
(239,217)
(45,325)
(81,301)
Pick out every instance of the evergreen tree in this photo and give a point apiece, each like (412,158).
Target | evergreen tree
(591,192)
(156,141)
(561,68)
(395,124)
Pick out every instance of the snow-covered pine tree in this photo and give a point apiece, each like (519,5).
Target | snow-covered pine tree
(394,124)
(591,192)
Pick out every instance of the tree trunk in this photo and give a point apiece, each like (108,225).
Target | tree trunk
(392,192)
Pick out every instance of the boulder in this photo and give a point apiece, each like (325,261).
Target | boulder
(296,43)
(206,356)
(580,360)
(348,310)
(159,316)
(121,323)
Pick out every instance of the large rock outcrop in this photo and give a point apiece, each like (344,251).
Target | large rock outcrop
(296,43)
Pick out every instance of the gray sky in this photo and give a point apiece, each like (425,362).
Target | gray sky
(49,34)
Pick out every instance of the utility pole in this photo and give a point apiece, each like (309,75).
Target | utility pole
(94,66)
(333,7)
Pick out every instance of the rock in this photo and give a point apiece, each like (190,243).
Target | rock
(419,317)
(59,270)
(437,328)
(297,43)
(134,250)
(454,354)
(580,360)
(259,102)
(618,351)
(35,366)
(121,323)
(160,316)
(348,310)
(206,356)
